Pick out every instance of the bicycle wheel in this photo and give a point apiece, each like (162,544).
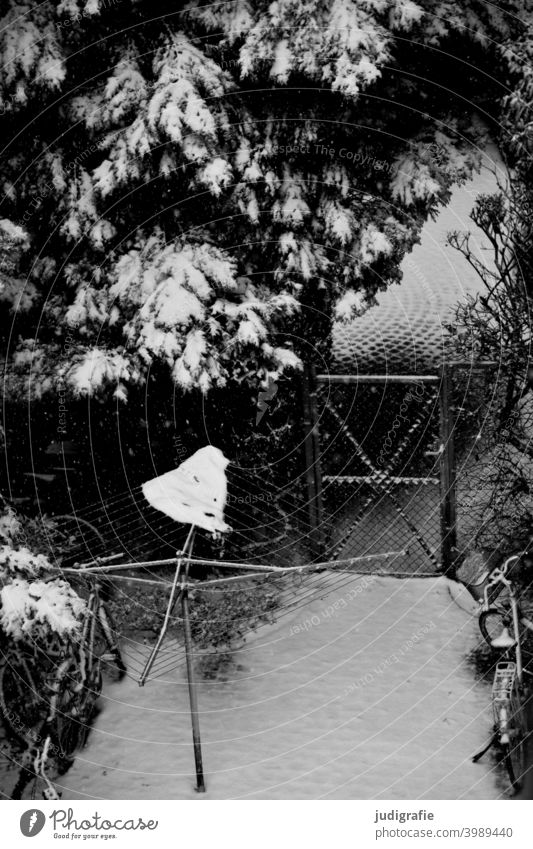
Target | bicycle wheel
(515,751)
(74,709)
(78,540)
(513,759)
(107,643)
(35,777)
(509,720)
(22,702)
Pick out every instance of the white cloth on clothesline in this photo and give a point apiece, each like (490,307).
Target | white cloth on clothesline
(195,493)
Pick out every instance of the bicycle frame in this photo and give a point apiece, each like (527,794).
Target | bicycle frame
(503,690)
(508,683)
(499,576)
(75,669)
(97,614)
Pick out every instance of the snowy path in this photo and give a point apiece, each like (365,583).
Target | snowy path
(371,699)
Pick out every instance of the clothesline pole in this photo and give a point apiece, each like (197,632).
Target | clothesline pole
(193,696)
(173,598)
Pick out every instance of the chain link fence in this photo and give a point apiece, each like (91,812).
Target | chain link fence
(380,471)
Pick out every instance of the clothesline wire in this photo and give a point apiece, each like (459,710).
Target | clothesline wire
(306,598)
(152,527)
(114,505)
(164,522)
(309,594)
(167,664)
(121,503)
(157,528)
(124,500)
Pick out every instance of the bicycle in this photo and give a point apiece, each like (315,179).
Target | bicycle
(503,626)
(48,693)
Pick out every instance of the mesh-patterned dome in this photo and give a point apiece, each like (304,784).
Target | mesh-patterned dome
(405,331)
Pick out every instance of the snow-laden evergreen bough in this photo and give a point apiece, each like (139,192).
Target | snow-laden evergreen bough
(196,187)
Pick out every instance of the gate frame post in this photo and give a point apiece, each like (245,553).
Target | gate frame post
(448,502)
(312,461)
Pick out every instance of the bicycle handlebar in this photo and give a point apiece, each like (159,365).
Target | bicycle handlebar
(499,576)
(500,572)
(515,557)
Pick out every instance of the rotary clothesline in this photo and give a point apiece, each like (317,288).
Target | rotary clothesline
(172,655)
(196,493)
(312,587)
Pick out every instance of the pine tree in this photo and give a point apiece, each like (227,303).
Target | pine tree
(197,182)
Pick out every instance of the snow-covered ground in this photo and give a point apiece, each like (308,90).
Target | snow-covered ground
(364,693)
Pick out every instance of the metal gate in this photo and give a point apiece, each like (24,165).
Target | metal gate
(380,467)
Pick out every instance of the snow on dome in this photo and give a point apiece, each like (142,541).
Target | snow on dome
(407,327)
(194,493)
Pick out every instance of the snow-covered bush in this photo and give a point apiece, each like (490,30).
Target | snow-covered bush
(33,603)
(494,431)
(10,524)
(22,561)
(495,500)
(35,609)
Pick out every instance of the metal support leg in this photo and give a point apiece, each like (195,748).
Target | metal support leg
(193,696)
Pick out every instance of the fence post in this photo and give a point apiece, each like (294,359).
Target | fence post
(317,466)
(312,460)
(448,512)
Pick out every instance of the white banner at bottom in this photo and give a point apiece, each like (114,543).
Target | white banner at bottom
(269,825)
